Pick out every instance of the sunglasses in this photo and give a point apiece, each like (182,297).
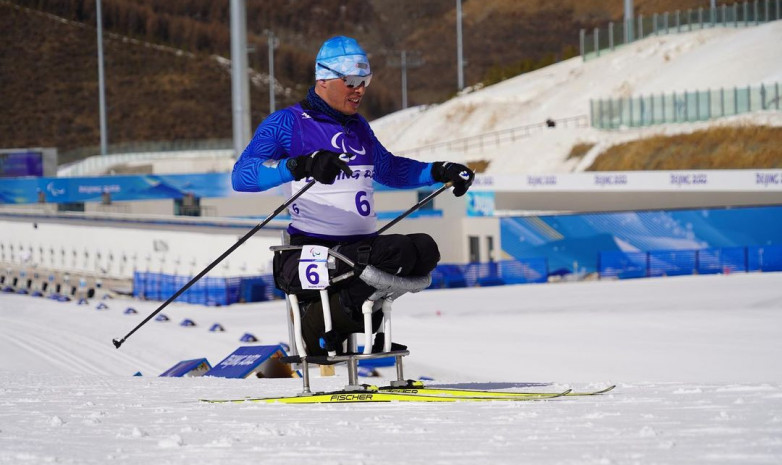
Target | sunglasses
(351,81)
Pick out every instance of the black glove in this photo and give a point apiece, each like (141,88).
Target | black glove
(459,175)
(323,166)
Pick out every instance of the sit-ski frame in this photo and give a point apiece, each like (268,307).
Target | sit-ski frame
(387,289)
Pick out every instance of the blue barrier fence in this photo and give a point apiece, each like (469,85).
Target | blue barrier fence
(624,265)
(611,264)
(225,291)
(532,270)
(206,291)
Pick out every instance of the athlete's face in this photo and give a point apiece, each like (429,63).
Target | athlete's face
(339,96)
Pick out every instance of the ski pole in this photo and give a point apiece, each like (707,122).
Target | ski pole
(415,207)
(228,252)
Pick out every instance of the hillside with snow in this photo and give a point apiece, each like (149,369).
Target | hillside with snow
(700,60)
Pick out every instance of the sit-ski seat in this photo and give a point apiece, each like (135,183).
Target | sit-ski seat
(387,287)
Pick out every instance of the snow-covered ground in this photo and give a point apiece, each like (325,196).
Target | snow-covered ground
(700,60)
(696,360)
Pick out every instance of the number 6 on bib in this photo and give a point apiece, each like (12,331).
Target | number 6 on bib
(313,270)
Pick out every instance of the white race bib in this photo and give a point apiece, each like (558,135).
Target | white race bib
(313,269)
(345,208)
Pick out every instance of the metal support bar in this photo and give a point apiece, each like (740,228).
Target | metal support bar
(324,298)
(352,375)
(366,310)
(400,375)
(298,341)
(387,304)
(305,375)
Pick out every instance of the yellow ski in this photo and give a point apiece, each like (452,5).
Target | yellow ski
(342,397)
(424,390)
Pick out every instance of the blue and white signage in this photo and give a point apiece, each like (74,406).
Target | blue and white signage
(480,203)
(247,360)
(195,367)
(634,181)
(120,188)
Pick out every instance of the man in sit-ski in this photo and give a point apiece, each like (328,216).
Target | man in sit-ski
(324,138)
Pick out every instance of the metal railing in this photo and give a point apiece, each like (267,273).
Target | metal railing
(178,145)
(656,263)
(99,163)
(683,107)
(737,15)
(488,139)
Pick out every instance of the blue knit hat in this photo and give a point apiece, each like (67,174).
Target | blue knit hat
(343,55)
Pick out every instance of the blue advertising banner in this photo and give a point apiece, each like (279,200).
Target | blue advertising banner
(120,188)
(247,360)
(195,367)
(480,203)
(22,163)
(90,189)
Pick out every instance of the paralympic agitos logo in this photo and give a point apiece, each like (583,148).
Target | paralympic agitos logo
(338,142)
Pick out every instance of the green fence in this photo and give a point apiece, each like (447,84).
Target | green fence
(602,40)
(683,107)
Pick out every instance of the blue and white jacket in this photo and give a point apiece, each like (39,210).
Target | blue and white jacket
(341,211)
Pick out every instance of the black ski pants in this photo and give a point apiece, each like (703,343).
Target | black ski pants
(397,254)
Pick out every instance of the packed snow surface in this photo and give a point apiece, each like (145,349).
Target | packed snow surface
(696,361)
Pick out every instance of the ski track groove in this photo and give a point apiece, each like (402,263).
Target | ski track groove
(43,346)
(37,345)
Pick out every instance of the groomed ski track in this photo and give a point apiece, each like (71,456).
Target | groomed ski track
(694,359)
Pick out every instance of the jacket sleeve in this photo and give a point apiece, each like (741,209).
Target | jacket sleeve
(258,167)
(394,171)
